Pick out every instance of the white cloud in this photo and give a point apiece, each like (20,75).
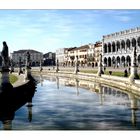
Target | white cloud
(56,28)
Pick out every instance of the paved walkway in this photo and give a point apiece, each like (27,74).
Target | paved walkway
(20,80)
(50,68)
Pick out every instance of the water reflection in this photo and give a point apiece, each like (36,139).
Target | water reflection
(77,86)
(12,100)
(107,95)
(41,79)
(82,105)
(57,82)
(134,108)
(29,106)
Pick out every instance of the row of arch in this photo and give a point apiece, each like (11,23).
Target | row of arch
(115,46)
(119,61)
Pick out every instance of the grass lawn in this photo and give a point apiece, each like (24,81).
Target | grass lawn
(13,78)
(114,73)
(89,71)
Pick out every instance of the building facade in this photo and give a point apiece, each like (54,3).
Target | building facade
(88,55)
(35,57)
(117,47)
(80,52)
(61,55)
(71,56)
(94,52)
(49,59)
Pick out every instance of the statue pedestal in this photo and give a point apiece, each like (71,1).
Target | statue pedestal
(5,81)
(76,70)
(57,65)
(57,69)
(5,77)
(41,69)
(76,66)
(100,71)
(134,74)
(12,69)
(27,73)
(20,71)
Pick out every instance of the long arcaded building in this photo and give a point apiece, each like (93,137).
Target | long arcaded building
(117,47)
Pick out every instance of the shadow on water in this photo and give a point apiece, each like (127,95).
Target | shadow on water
(11,99)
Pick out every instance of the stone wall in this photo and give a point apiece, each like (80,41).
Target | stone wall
(113,81)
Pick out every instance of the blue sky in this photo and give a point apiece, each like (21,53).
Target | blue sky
(48,30)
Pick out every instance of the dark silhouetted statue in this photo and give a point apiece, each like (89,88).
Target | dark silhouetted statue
(5,57)
(28,56)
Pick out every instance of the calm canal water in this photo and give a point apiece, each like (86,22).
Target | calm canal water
(71,104)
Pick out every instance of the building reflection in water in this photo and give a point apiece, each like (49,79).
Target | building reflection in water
(12,100)
(134,108)
(107,94)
